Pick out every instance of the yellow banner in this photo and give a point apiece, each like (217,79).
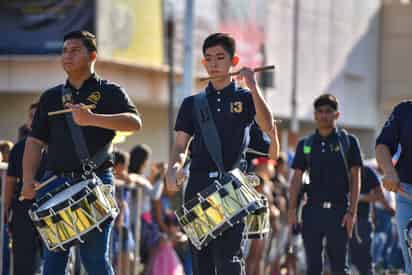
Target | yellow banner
(144,30)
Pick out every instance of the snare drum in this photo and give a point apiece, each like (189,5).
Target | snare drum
(257,224)
(66,214)
(217,208)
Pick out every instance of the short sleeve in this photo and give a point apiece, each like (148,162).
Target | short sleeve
(184,120)
(259,140)
(299,161)
(372,178)
(40,124)
(390,133)
(123,103)
(354,156)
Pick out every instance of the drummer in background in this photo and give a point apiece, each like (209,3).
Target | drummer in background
(332,158)
(114,111)
(26,242)
(265,170)
(397,132)
(233,110)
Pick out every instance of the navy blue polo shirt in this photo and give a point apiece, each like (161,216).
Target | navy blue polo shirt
(108,97)
(15,165)
(370,180)
(328,177)
(259,141)
(233,111)
(398,130)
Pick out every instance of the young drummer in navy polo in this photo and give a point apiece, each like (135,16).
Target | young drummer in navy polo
(233,110)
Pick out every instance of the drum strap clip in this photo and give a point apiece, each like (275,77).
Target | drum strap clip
(88,166)
(218,184)
(201,198)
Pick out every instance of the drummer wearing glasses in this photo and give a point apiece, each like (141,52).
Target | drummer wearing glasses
(113,111)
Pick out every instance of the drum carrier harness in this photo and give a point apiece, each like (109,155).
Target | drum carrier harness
(88,164)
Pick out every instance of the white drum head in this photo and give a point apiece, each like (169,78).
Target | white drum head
(63,195)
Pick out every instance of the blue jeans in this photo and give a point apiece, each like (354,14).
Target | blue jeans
(94,252)
(382,236)
(403,215)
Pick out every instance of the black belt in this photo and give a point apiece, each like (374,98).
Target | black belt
(79,173)
(327,204)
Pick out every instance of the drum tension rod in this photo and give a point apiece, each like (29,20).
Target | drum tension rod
(218,184)
(201,199)
(52,212)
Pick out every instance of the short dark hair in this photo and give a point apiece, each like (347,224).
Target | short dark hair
(6,146)
(220,39)
(120,157)
(139,154)
(326,99)
(88,39)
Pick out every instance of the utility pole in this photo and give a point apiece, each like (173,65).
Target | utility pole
(294,121)
(170,26)
(188,49)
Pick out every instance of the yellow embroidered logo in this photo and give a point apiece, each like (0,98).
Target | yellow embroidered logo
(334,148)
(94,97)
(67,98)
(236,107)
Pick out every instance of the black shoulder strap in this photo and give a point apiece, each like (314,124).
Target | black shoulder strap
(307,149)
(75,131)
(241,161)
(344,147)
(87,164)
(208,129)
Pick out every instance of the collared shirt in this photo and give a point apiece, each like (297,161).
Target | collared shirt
(398,131)
(370,180)
(108,97)
(328,176)
(233,111)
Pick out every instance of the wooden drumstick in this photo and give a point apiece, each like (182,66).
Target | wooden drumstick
(258,69)
(40,186)
(85,107)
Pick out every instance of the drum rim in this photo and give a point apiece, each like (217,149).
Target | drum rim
(206,192)
(63,205)
(219,229)
(183,212)
(261,211)
(56,190)
(63,187)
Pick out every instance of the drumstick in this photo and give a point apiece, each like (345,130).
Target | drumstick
(40,186)
(85,107)
(258,69)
